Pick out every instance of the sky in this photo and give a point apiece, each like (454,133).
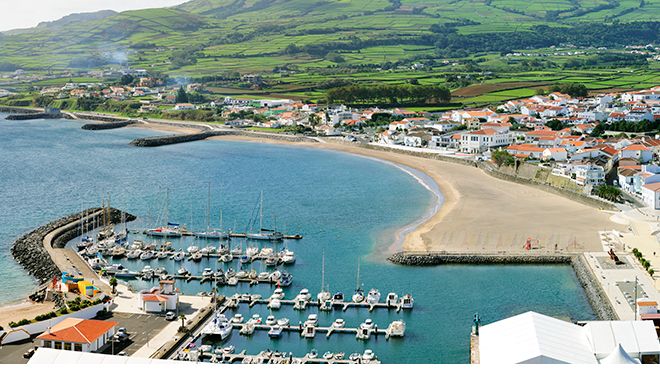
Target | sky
(28,13)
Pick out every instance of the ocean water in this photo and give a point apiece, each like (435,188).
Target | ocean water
(347,207)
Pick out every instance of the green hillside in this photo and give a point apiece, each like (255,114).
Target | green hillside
(319,40)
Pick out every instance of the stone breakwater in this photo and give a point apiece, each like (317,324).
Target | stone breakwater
(106,125)
(593,290)
(171,139)
(28,116)
(19,110)
(29,250)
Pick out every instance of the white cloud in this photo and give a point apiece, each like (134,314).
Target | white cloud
(28,13)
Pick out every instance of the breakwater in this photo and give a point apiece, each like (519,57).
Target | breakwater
(592,288)
(5,109)
(29,250)
(28,116)
(171,139)
(106,125)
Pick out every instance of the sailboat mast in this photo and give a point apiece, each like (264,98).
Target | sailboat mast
(208,209)
(167,206)
(357,281)
(323,270)
(261,211)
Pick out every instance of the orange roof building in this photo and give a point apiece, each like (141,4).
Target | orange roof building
(79,335)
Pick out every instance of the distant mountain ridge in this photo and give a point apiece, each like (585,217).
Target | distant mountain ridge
(67,19)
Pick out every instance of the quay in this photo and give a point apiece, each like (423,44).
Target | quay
(236,299)
(309,332)
(231,235)
(269,357)
(204,279)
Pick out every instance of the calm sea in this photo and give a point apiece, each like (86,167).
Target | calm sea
(345,206)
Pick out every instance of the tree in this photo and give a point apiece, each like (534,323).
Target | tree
(126,79)
(182,317)
(609,192)
(181,96)
(503,158)
(113,284)
(43,101)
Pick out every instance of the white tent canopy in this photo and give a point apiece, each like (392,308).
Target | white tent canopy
(637,337)
(619,357)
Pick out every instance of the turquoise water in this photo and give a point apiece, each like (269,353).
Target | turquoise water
(344,205)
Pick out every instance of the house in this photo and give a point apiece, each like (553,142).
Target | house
(184,106)
(533,338)
(78,335)
(640,152)
(651,195)
(159,299)
(589,175)
(556,154)
(482,140)
(525,151)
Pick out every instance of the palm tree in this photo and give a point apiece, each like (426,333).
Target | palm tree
(183,320)
(611,193)
(113,284)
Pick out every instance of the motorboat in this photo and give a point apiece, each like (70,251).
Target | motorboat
(354,356)
(396,328)
(223,249)
(271,320)
(272,261)
(392,299)
(160,271)
(182,271)
(219,274)
(197,256)
(274,304)
(244,258)
(407,301)
(339,323)
(339,356)
(312,320)
(192,249)
(251,251)
(207,273)
(275,276)
(232,281)
(308,332)
(256,318)
(288,257)
(242,274)
(278,293)
(338,298)
(237,250)
(230,273)
(237,319)
(226,258)
(368,355)
(147,255)
(253,274)
(136,244)
(228,350)
(160,255)
(285,279)
(283,322)
(266,252)
(303,295)
(368,324)
(126,274)
(263,275)
(117,251)
(312,354)
(218,327)
(323,296)
(275,331)
(114,268)
(164,232)
(373,296)
(358,296)
(134,254)
(328,355)
(147,273)
(179,256)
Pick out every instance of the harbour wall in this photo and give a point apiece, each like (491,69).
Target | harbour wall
(525,174)
(594,292)
(5,109)
(28,116)
(29,250)
(106,125)
(171,139)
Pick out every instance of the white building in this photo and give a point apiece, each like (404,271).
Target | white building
(651,195)
(482,140)
(639,152)
(589,175)
(78,335)
(532,338)
(159,299)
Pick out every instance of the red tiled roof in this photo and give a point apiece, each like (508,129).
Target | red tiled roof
(653,187)
(636,147)
(78,330)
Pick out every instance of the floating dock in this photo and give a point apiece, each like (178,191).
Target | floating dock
(305,331)
(234,300)
(269,357)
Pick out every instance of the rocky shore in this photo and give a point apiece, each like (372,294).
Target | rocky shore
(29,251)
(592,288)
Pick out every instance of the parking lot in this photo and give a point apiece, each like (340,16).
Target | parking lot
(13,353)
(140,329)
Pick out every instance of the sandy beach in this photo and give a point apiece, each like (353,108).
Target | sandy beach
(23,310)
(482,214)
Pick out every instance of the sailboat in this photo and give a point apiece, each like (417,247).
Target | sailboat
(324,294)
(212,233)
(172,230)
(358,296)
(263,234)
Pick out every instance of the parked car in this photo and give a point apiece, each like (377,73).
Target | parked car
(121,330)
(170,316)
(120,337)
(29,353)
(122,353)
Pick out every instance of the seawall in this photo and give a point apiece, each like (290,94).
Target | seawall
(29,250)
(6,109)
(171,139)
(106,125)
(28,116)
(590,285)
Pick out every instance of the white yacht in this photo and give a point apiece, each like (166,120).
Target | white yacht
(237,319)
(288,257)
(407,301)
(219,327)
(396,328)
(274,304)
(373,296)
(251,251)
(275,331)
(182,271)
(368,324)
(368,355)
(263,233)
(358,296)
(339,323)
(312,320)
(147,255)
(271,320)
(207,273)
(392,299)
(283,322)
(278,293)
(212,234)
(180,256)
(192,249)
(164,232)
(304,295)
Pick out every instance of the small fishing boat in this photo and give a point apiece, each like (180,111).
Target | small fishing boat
(283,322)
(278,293)
(304,295)
(147,255)
(285,279)
(338,298)
(407,301)
(339,323)
(312,320)
(207,273)
(392,299)
(274,304)
(271,320)
(237,319)
(182,271)
(328,355)
(373,296)
(368,355)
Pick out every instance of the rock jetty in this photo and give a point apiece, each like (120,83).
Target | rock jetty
(172,139)
(106,125)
